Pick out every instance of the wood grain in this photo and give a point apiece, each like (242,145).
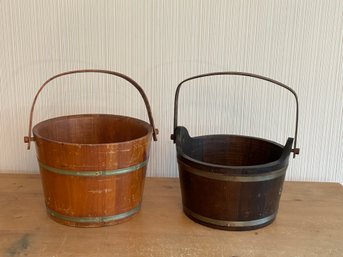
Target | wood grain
(82,144)
(229,182)
(309,224)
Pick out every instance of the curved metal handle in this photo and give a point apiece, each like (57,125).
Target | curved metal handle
(295,150)
(29,138)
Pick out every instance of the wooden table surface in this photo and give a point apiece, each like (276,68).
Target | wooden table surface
(309,223)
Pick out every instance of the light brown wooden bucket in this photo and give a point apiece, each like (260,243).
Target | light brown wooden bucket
(93,166)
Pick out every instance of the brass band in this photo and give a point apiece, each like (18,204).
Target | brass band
(236,178)
(227,223)
(94,219)
(94,173)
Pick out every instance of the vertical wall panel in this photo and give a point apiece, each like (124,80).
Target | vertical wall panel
(159,43)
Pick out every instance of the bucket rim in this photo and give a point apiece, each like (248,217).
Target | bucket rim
(280,162)
(142,122)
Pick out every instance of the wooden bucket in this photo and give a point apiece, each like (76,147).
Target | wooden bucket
(231,182)
(92,165)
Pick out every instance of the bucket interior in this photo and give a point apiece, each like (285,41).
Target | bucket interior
(230,150)
(92,129)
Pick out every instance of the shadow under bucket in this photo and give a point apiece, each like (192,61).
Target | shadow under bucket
(231,182)
(93,166)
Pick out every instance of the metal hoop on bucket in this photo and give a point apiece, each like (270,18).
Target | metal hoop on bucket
(295,150)
(29,138)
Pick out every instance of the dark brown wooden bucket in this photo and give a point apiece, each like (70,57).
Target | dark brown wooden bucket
(231,182)
(93,165)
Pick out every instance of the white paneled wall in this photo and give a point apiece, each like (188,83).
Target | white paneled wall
(159,43)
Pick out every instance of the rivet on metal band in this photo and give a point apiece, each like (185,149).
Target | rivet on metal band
(94,173)
(94,219)
(227,223)
(236,178)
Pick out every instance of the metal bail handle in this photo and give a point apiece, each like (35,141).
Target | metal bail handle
(29,138)
(295,150)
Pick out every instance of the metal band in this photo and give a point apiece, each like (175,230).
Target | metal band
(94,219)
(236,178)
(227,223)
(94,173)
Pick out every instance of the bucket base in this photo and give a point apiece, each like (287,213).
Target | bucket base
(230,225)
(92,222)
